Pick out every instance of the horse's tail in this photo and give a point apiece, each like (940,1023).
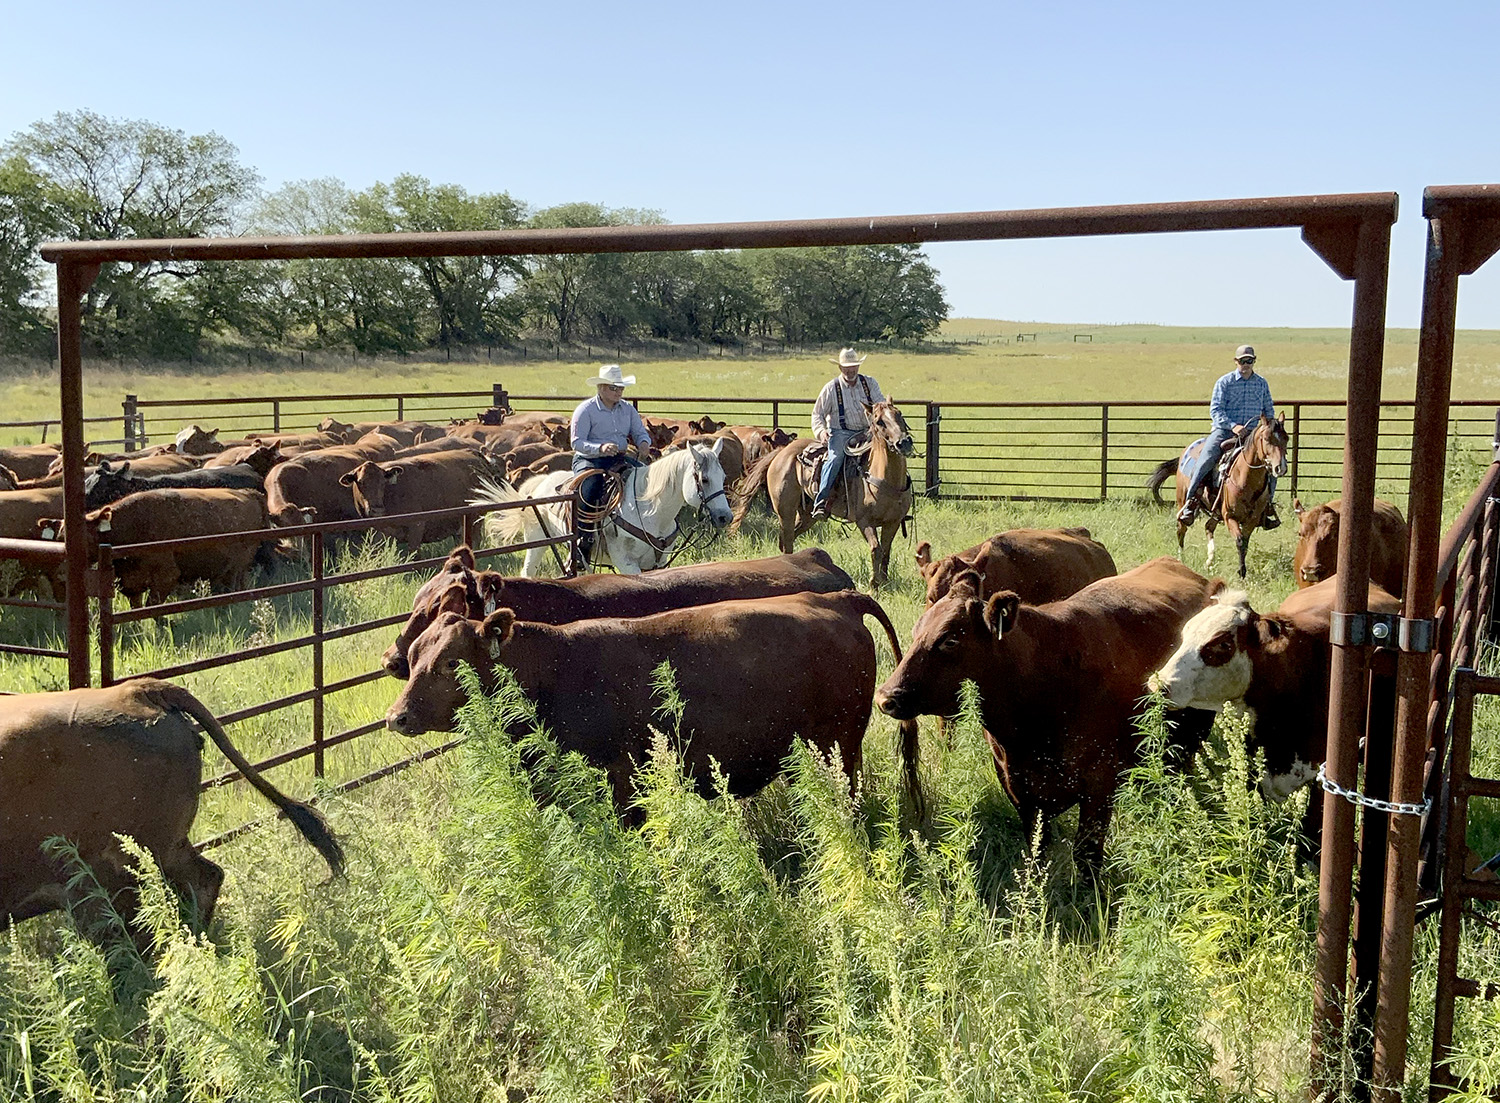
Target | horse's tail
(503,526)
(752,486)
(1164,471)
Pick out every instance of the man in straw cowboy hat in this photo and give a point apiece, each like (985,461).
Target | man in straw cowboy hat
(839,414)
(602,428)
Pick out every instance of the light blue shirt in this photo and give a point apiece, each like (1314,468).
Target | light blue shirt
(595,426)
(1239,401)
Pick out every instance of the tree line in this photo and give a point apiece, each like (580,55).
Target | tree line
(82,176)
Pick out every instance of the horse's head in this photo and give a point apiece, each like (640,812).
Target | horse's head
(887,424)
(1271,443)
(707,492)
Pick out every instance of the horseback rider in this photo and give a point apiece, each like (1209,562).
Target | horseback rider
(1240,398)
(838,416)
(602,428)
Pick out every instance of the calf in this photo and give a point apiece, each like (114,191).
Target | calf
(307,488)
(154,515)
(745,702)
(1317,553)
(1061,685)
(29,461)
(1275,667)
(110,484)
(88,765)
(444,480)
(1040,565)
(564,600)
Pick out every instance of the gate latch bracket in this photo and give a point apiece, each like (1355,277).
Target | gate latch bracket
(1362,629)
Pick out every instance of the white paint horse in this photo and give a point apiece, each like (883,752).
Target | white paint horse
(651,499)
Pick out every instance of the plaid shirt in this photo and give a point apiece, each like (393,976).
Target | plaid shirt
(1239,401)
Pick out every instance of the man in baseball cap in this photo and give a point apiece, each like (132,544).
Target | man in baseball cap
(1239,398)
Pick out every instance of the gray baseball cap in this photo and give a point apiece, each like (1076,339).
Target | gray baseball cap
(1244,351)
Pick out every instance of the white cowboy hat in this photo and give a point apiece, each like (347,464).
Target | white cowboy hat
(610,374)
(847,358)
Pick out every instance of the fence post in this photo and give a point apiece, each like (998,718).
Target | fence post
(1297,440)
(275,415)
(317,652)
(106,615)
(1104,451)
(130,419)
(469,529)
(498,398)
(934,442)
(400,408)
(776,416)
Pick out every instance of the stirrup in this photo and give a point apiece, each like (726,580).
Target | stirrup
(1187,514)
(1270,519)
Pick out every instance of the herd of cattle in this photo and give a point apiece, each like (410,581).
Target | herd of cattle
(199,486)
(1063,650)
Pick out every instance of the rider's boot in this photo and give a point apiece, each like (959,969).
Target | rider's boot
(1187,514)
(820,510)
(583,552)
(1270,519)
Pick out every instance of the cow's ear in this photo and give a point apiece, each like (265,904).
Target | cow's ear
(455,599)
(392,474)
(348,478)
(1216,586)
(1297,507)
(461,556)
(924,554)
(1267,630)
(497,628)
(1000,612)
(213,434)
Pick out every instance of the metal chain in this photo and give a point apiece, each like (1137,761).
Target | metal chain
(1395,808)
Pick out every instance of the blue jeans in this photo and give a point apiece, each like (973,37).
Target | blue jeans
(838,440)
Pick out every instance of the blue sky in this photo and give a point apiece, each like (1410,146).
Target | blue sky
(790,110)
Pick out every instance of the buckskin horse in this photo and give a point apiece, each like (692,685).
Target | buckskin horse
(875,500)
(1241,501)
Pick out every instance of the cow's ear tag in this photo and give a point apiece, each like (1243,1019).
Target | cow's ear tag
(104,524)
(1001,612)
(495,645)
(49,533)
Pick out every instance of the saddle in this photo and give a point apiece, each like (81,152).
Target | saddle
(811,459)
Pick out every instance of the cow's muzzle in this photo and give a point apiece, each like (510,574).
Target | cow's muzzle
(895,704)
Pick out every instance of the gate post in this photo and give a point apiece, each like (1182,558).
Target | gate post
(934,446)
(130,421)
(1297,441)
(317,651)
(1104,452)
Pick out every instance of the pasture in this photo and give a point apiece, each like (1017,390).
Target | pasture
(500,936)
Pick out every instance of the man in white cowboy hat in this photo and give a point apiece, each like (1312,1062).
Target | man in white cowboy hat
(1240,398)
(603,427)
(838,414)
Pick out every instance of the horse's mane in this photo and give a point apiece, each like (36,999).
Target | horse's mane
(660,474)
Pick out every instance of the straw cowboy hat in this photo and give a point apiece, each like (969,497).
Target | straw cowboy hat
(847,358)
(610,375)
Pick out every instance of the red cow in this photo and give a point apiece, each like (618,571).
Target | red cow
(1317,553)
(1041,565)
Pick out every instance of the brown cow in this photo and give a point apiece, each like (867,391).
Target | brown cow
(194,440)
(306,487)
(1041,565)
(175,515)
(1317,554)
(564,600)
(663,431)
(444,443)
(592,680)
(158,463)
(444,480)
(1061,684)
(30,461)
(731,456)
(1275,667)
(518,475)
(707,426)
(289,441)
(758,442)
(501,438)
(20,510)
(241,451)
(90,764)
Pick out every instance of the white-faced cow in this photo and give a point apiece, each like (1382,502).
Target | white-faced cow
(1061,684)
(89,764)
(755,675)
(1274,666)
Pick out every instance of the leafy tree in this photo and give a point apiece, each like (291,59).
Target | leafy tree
(28,216)
(472,297)
(859,292)
(113,179)
(568,293)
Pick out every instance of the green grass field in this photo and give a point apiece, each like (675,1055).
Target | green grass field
(489,945)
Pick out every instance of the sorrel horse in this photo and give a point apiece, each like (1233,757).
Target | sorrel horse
(1241,502)
(875,501)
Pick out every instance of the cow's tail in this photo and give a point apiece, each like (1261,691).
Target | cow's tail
(910,732)
(1164,471)
(503,526)
(305,818)
(751,486)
